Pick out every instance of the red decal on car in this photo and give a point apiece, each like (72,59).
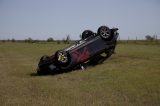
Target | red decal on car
(81,56)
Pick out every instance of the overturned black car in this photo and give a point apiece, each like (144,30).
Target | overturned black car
(88,50)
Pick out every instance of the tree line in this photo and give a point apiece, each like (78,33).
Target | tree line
(66,40)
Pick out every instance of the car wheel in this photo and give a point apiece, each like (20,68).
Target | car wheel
(104,32)
(63,58)
(39,70)
(86,34)
(43,58)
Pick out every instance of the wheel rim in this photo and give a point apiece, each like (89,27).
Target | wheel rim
(105,33)
(62,57)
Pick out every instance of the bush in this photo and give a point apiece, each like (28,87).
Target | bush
(148,37)
(29,40)
(50,39)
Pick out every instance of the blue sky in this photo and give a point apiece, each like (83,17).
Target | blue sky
(41,19)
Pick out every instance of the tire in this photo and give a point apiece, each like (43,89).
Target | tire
(42,59)
(104,32)
(63,58)
(39,70)
(86,34)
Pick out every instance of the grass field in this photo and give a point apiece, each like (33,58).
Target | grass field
(131,77)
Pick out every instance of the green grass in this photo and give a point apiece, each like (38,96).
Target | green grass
(131,77)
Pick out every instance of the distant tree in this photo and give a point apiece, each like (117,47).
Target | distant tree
(29,40)
(50,39)
(8,40)
(149,37)
(68,39)
(13,40)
